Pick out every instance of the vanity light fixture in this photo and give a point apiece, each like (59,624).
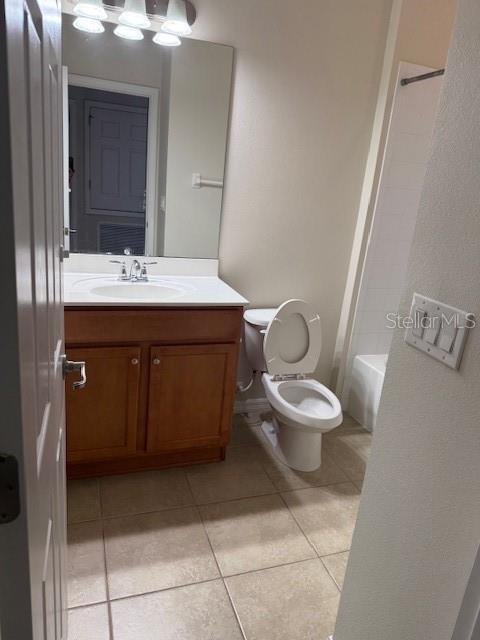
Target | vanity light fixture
(90,25)
(129,33)
(176,19)
(90,9)
(134,14)
(166,39)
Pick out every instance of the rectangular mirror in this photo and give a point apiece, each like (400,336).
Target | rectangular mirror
(147,139)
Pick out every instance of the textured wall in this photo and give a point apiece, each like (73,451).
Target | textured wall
(304,91)
(419,523)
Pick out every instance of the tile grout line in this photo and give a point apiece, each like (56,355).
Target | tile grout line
(219,577)
(237,618)
(299,526)
(330,574)
(207,504)
(107,586)
(192,584)
(204,504)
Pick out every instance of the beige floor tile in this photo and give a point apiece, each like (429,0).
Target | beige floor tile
(251,454)
(86,564)
(244,434)
(254,533)
(83,500)
(327,515)
(241,475)
(145,491)
(197,612)
(294,602)
(89,623)
(349,425)
(156,551)
(336,566)
(286,479)
(350,452)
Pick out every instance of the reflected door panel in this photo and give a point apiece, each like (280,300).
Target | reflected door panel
(116,159)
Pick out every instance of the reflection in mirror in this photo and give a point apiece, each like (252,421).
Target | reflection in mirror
(147,138)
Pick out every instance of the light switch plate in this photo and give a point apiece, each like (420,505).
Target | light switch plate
(439,322)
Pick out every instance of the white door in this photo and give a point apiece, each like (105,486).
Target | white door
(32,545)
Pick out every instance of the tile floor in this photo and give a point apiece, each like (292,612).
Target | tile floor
(243,549)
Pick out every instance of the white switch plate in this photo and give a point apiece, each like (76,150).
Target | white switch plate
(439,320)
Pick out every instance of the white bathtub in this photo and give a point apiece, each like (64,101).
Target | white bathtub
(368,374)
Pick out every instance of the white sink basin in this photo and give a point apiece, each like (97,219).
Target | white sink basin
(104,290)
(139,291)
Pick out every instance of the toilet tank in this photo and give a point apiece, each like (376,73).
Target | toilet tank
(256,323)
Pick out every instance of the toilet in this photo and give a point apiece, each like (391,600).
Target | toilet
(285,344)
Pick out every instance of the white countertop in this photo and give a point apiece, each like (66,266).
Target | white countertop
(105,290)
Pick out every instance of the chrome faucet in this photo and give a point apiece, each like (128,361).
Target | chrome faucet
(135,270)
(138,272)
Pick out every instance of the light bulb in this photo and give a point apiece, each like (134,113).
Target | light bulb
(90,9)
(176,19)
(129,33)
(166,39)
(89,25)
(134,14)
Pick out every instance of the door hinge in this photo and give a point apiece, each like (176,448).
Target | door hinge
(9,490)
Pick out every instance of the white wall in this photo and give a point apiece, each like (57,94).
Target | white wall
(419,523)
(197,137)
(406,153)
(304,92)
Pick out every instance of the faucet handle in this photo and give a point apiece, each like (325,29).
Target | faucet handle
(143,273)
(123,273)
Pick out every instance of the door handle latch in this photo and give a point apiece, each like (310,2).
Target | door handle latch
(69,366)
(9,493)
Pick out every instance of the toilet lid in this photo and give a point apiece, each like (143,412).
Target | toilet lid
(293,340)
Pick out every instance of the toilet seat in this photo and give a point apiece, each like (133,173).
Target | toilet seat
(305,403)
(293,340)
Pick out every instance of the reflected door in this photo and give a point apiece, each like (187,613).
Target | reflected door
(116,159)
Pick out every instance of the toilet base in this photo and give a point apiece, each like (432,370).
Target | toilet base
(299,450)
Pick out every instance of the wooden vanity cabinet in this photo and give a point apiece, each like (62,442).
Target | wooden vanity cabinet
(160,387)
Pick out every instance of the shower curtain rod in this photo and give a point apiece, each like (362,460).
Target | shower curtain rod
(424,76)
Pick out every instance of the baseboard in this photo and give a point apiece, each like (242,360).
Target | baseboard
(252,405)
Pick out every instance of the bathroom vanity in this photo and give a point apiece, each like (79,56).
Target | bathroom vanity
(161,363)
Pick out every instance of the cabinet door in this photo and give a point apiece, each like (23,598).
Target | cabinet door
(102,417)
(191,396)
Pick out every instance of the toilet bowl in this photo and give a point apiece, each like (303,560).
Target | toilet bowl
(285,344)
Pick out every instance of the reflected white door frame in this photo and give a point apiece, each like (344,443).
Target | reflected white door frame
(151,206)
